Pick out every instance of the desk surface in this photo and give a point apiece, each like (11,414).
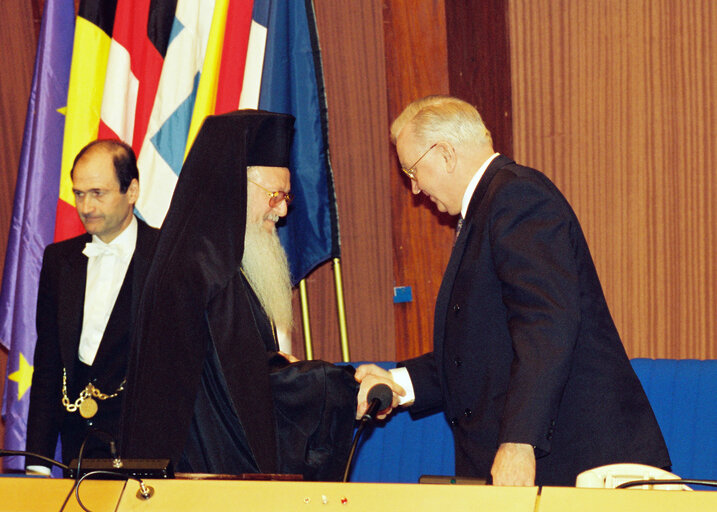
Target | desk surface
(569,499)
(33,494)
(97,496)
(326,496)
(22,494)
(41,494)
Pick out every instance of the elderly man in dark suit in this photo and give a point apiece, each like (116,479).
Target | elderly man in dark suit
(89,290)
(527,363)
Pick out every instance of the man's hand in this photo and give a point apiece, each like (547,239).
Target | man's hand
(289,357)
(38,471)
(371,369)
(514,464)
(370,375)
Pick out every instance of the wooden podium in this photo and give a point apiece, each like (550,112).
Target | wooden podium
(568,499)
(269,496)
(49,495)
(33,494)
(23,494)
(96,495)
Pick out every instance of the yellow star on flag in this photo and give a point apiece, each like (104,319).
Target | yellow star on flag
(23,377)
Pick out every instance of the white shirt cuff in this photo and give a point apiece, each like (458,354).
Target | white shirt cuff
(403,379)
(43,470)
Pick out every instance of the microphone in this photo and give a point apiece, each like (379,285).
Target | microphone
(379,397)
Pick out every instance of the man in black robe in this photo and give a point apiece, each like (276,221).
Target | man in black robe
(204,387)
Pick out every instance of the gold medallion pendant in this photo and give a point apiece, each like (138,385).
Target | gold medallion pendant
(88,407)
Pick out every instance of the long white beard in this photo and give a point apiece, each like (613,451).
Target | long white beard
(267,270)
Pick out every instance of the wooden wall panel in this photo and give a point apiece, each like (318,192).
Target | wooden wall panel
(17,53)
(479,63)
(416,65)
(351,37)
(615,101)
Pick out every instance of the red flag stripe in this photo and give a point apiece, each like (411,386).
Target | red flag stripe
(236,40)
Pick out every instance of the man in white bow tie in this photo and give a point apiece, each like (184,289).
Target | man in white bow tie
(89,290)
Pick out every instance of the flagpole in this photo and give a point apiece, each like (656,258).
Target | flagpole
(305,322)
(340,306)
(339,285)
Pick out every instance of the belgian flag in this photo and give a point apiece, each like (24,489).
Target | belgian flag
(93,33)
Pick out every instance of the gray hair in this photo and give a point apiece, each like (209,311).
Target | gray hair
(435,118)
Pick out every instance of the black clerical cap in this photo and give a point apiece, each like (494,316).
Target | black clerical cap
(272,140)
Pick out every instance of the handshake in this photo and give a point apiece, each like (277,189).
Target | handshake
(369,376)
(514,463)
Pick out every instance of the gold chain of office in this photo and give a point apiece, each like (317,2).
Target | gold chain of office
(86,403)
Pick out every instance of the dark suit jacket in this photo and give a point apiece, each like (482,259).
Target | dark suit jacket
(60,307)
(525,349)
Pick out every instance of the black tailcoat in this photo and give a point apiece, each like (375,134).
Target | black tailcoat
(60,307)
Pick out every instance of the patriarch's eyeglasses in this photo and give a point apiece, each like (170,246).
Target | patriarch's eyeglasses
(276,196)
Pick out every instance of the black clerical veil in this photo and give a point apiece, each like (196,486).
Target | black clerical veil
(194,302)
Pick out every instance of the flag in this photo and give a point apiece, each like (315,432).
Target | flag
(275,44)
(206,98)
(162,154)
(292,83)
(139,43)
(33,219)
(149,72)
(278,50)
(233,58)
(93,32)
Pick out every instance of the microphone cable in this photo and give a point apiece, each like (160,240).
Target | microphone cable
(379,398)
(145,491)
(684,481)
(20,453)
(116,461)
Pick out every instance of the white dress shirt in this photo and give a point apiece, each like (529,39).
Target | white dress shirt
(106,269)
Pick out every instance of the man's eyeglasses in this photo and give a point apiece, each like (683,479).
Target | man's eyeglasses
(276,197)
(411,171)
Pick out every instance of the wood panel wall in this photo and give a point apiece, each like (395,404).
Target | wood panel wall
(416,65)
(479,63)
(17,54)
(615,101)
(351,38)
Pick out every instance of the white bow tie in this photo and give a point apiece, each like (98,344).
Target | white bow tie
(93,249)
